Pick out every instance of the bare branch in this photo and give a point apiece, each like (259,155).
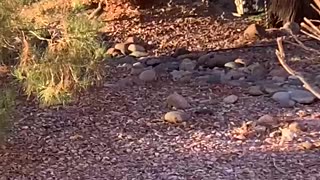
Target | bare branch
(304,47)
(314,28)
(301,43)
(310,35)
(96,11)
(281,57)
(315,8)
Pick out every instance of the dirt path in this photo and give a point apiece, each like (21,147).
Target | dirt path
(115,133)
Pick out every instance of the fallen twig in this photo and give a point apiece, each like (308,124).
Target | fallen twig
(300,43)
(281,57)
(96,11)
(277,168)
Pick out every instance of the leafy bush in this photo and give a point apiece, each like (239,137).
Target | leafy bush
(70,62)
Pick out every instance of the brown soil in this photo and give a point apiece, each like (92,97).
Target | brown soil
(112,133)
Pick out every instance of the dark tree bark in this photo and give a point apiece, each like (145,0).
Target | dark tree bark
(282,11)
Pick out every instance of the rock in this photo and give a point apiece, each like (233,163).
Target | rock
(302,96)
(167,67)
(204,58)
(191,56)
(306,145)
(291,26)
(244,62)
(279,79)
(267,120)
(125,82)
(292,80)
(126,60)
(186,78)
(178,75)
(280,72)
(138,65)
(176,116)
(283,98)
(258,72)
(232,65)
(233,75)
(254,31)
(255,91)
(202,78)
(260,129)
(180,51)
(136,70)
(122,47)
(125,65)
(133,40)
(177,101)
(110,51)
(317,80)
(138,54)
(214,79)
(187,65)
(136,47)
(218,60)
(148,75)
(152,62)
(272,88)
(238,83)
(231,99)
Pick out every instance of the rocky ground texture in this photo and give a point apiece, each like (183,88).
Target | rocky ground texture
(174,106)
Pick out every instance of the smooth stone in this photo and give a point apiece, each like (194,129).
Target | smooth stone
(302,96)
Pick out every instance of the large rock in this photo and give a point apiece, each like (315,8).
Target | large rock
(283,98)
(178,75)
(255,91)
(167,67)
(180,51)
(258,72)
(279,72)
(136,47)
(254,31)
(234,75)
(231,99)
(187,65)
(177,101)
(204,58)
(138,54)
(176,116)
(122,47)
(218,60)
(272,88)
(193,55)
(267,120)
(148,75)
(302,96)
(133,40)
(126,59)
(232,65)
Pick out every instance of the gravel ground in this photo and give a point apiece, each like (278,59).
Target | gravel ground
(117,133)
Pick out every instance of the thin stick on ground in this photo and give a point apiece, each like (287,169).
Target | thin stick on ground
(96,11)
(300,43)
(277,168)
(281,57)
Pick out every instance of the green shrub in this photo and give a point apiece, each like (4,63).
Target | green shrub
(68,64)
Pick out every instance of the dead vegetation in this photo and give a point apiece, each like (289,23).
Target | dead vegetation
(311,30)
(118,130)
